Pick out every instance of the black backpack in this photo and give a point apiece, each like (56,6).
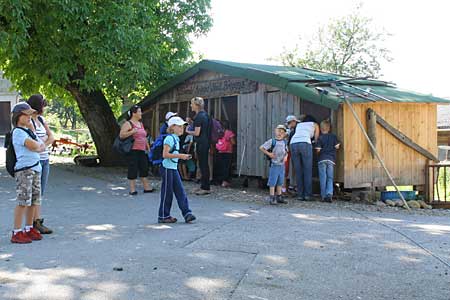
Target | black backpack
(11,158)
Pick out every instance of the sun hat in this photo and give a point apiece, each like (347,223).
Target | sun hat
(22,108)
(170,115)
(291,118)
(176,121)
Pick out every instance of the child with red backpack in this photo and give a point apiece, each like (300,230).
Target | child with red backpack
(224,147)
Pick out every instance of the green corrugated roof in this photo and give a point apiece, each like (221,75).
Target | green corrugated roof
(294,80)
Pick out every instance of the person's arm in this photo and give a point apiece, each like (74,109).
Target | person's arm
(167,154)
(338,144)
(34,146)
(195,132)
(316,132)
(126,130)
(263,149)
(50,136)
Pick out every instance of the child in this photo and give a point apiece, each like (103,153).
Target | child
(27,174)
(326,146)
(171,181)
(276,149)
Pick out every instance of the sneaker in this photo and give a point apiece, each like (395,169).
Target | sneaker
(39,225)
(168,220)
(281,200)
(225,184)
(273,200)
(203,192)
(20,238)
(34,235)
(328,199)
(190,218)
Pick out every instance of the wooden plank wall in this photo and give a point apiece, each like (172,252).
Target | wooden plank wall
(417,121)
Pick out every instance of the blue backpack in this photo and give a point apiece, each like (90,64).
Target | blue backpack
(155,156)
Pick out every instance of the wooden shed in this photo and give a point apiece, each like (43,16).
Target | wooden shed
(8,99)
(255,98)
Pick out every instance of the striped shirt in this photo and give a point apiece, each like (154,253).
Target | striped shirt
(42,134)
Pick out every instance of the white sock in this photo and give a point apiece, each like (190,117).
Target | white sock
(16,231)
(28,228)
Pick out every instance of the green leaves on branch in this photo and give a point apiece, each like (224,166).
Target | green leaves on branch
(346,46)
(123,48)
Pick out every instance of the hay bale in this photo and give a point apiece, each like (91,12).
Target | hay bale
(424,205)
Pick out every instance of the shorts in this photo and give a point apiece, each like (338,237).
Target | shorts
(276,175)
(28,187)
(137,164)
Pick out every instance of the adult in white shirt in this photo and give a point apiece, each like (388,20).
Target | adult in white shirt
(42,130)
(304,133)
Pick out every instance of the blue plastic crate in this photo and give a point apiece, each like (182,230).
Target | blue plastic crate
(408,195)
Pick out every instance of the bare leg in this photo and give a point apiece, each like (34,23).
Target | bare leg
(132,185)
(279,191)
(37,212)
(29,214)
(272,191)
(146,184)
(19,211)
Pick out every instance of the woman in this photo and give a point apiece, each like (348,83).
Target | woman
(40,127)
(224,148)
(137,158)
(302,154)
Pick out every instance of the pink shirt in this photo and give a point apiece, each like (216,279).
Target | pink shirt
(140,138)
(224,144)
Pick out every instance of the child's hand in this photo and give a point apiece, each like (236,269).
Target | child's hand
(272,155)
(185,156)
(337,146)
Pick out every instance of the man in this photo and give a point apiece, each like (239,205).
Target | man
(201,138)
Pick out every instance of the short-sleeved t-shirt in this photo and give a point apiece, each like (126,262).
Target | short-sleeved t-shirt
(326,143)
(280,150)
(304,132)
(202,120)
(25,157)
(174,143)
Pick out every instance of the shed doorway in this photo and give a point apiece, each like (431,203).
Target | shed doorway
(5,119)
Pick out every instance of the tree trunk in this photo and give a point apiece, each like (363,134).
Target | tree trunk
(100,120)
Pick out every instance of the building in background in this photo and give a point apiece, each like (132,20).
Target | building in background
(8,98)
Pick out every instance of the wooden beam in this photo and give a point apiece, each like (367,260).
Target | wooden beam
(402,137)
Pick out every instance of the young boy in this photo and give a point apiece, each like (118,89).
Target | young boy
(171,181)
(276,149)
(326,146)
(27,174)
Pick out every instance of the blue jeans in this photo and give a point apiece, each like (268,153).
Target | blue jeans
(276,175)
(302,159)
(171,184)
(326,174)
(44,174)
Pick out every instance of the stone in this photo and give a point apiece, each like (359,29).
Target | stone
(399,202)
(390,203)
(424,205)
(381,204)
(413,204)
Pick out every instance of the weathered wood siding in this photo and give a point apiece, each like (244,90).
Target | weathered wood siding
(417,121)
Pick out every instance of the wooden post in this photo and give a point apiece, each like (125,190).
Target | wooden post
(374,149)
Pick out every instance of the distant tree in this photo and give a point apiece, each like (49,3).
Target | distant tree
(98,52)
(347,46)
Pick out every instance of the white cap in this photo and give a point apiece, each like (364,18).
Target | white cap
(170,115)
(176,121)
(291,118)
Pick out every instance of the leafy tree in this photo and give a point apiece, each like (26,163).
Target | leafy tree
(345,46)
(99,52)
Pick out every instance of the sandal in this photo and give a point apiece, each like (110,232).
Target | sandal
(133,193)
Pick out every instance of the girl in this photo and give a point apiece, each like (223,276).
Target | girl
(224,148)
(27,174)
(137,160)
(40,127)
(171,181)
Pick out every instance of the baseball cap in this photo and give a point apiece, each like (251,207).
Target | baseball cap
(282,127)
(23,108)
(291,118)
(170,115)
(176,121)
